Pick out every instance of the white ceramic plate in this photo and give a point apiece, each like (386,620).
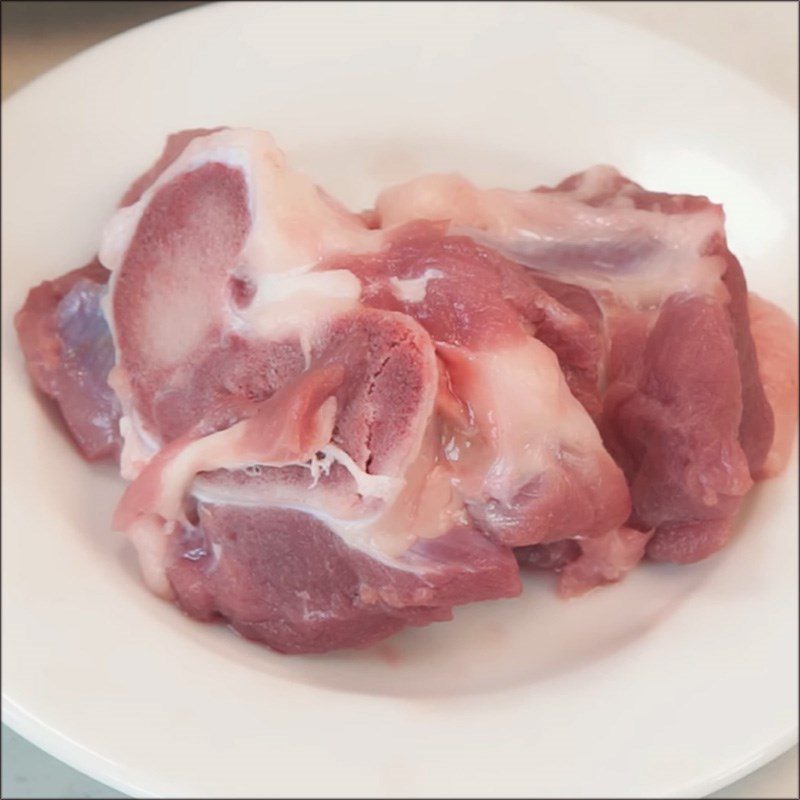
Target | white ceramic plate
(673,683)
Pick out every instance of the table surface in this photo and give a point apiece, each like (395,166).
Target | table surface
(757,38)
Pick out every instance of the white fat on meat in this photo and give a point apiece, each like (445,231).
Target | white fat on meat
(413,290)
(164,482)
(530,226)
(150,537)
(421,503)
(525,416)
(138,445)
(295,303)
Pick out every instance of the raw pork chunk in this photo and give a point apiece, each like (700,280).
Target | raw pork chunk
(336,425)
(69,352)
(684,410)
(282,438)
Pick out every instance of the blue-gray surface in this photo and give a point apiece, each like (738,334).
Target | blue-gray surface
(29,772)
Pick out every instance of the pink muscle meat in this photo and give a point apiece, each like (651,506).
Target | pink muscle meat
(337,425)
(69,353)
(684,411)
(526,455)
(222,314)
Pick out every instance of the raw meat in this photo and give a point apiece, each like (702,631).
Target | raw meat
(337,425)
(69,352)
(325,595)
(525,454)
(684,410)
(220,321)
(775,337)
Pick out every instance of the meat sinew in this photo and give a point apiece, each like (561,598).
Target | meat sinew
(335,429)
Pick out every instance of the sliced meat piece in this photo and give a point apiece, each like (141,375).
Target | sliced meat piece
(527,457)
(647,271)
(324,595)
(224,325)
(468,295)
(69,353)
(775,336)
(672,419)
(170,295)
(692,228)
(355,589)
(211,291)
